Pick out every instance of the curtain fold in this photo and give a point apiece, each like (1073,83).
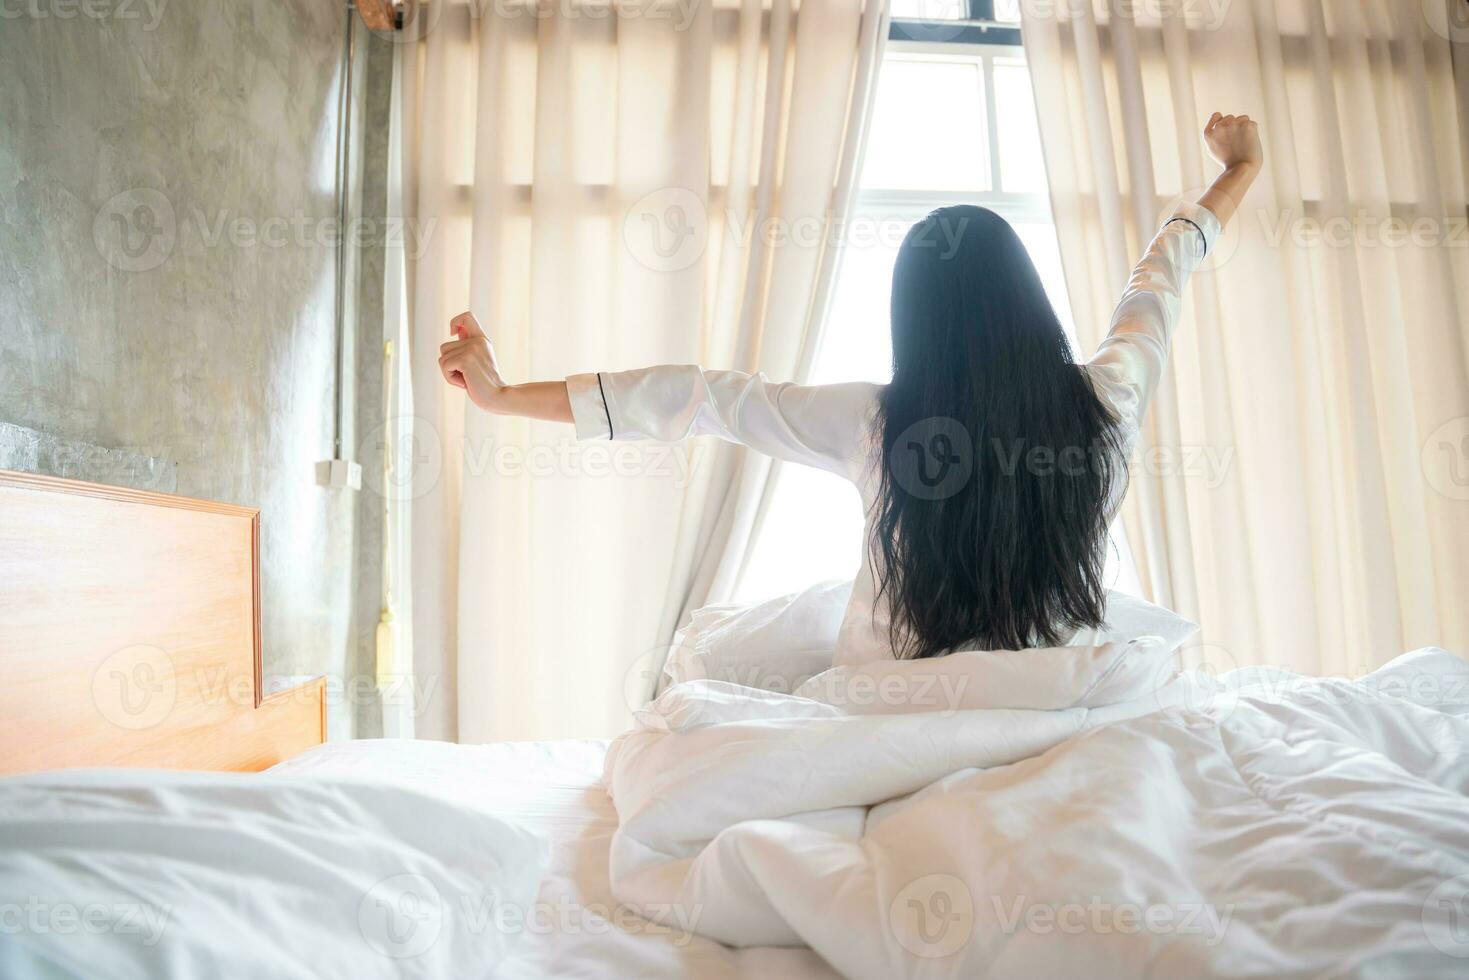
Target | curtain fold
(608,186)
(1302,484)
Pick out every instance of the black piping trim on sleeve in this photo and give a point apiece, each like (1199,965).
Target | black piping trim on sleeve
(1197,229)
(604,405)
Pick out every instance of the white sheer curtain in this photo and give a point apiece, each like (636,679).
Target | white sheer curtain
(1303,485)
(606,186)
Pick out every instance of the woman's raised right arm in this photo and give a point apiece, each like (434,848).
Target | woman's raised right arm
(818,425)
(468,362)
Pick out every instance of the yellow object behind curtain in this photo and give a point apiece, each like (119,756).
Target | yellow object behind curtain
(1302,487)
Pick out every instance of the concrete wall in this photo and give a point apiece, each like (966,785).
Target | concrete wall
(167,222)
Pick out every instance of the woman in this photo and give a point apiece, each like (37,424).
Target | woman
(989,467)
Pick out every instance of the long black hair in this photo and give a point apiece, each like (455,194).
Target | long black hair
(1000,464)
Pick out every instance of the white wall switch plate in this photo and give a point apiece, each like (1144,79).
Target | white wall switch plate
(339,474)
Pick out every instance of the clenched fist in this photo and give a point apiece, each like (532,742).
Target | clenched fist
(468,362)
(1234,141)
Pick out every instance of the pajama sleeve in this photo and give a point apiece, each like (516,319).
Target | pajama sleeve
(1129,364)
(818,425)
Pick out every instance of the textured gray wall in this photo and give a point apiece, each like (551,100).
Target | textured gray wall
(167,215)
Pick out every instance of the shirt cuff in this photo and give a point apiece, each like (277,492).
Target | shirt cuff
(589,410)
(1205,225)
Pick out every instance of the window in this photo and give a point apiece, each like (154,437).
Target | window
(954,123)
(974,11)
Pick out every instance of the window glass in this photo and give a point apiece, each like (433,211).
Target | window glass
(1007,11)
(928,127)
(929,9)
(1022,167)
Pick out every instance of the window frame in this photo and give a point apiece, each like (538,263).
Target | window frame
(978,26)
(1029,207)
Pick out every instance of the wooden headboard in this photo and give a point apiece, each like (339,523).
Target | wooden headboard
(130,634)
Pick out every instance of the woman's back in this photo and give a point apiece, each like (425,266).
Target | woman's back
(968,501)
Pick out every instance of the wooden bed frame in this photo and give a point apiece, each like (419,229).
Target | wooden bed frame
(130,634)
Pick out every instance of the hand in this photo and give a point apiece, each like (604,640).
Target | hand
(469,362)
(1234,141)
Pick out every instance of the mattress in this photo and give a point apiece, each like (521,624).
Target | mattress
(576,929)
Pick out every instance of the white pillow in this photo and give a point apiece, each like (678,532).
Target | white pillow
(1133,656)
(786,645)
(1129,617)
(774,645)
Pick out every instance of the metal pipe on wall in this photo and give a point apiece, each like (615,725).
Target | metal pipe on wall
(344,156)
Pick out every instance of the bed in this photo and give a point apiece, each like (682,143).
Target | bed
(165,818)
(130,641)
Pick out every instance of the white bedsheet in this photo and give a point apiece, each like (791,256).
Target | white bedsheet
(1267,826)
(139,874)
(577,929)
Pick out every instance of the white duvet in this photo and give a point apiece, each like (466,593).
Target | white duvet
(1258,825)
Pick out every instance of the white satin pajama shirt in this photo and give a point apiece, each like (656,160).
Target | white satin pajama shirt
(830,426)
